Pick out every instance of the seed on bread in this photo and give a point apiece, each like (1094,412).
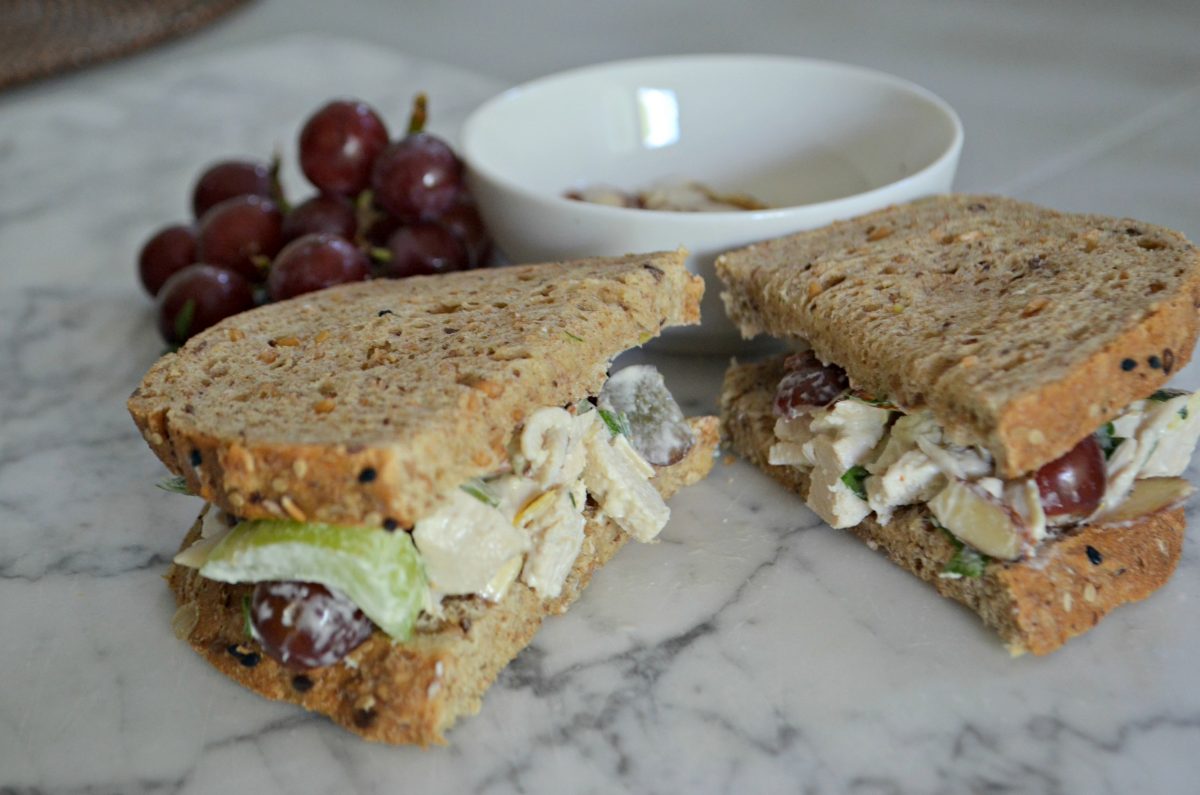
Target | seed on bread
(293,512)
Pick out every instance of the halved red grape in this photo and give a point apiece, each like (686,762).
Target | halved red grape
(197,297)
(169,251)
(808,384)
(339,144)
(242,234)
(228,179)
(305,625)
(417,178)
(423,248)
(463,220)
(314,262)
(318,214)
(1074,484)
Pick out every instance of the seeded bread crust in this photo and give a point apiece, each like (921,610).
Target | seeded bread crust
(1023,329)
(410,692)
(1035,605)
(363,403)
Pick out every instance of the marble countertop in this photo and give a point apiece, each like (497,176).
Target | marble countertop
(753,650)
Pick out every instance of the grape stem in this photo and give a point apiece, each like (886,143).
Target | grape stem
(416,122)
(277,193)
(365,215)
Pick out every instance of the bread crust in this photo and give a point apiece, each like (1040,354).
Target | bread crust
(1034,605)
(1023,329)
(414,691)
(364,403)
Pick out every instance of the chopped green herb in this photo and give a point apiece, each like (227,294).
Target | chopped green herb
(882,403)
(853,478)
(1108,440)
(175,485)
(617,422)
(247,624)
(572,336)
(480,491)
(183,321)
(967,561)
(571,496)
(1163,395)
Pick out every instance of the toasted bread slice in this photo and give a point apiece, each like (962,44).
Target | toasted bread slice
(1035,605)
(1023,329)
(363,403)
(410,692)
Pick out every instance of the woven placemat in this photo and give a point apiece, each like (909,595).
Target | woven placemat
(39,38)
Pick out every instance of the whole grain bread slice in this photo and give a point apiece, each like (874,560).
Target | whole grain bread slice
(1034,605)
(410,692)
(1023,329)
(363,403)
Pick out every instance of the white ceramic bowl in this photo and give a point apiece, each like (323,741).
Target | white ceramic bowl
(815,140)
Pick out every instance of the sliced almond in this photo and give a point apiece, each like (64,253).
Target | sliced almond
(979,519)
(1148,496)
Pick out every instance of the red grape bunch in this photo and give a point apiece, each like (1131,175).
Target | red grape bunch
(383,208)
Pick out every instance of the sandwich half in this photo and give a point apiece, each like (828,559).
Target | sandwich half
(976,392)
(403,478)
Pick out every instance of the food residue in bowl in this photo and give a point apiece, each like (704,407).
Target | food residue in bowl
(687,197)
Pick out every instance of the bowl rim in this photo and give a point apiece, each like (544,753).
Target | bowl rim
(472,128)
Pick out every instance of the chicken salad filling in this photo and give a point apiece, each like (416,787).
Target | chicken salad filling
(525,523)
(866,456)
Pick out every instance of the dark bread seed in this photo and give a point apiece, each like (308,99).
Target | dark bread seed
(1094,555)
(1168,358)
(302,683)
(1154,362)
(243,655)
(196,458)
(363,718)
(383,312)
(1128,364)
(390,524)
(366,475)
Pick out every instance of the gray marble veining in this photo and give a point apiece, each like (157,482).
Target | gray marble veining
(752,650)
